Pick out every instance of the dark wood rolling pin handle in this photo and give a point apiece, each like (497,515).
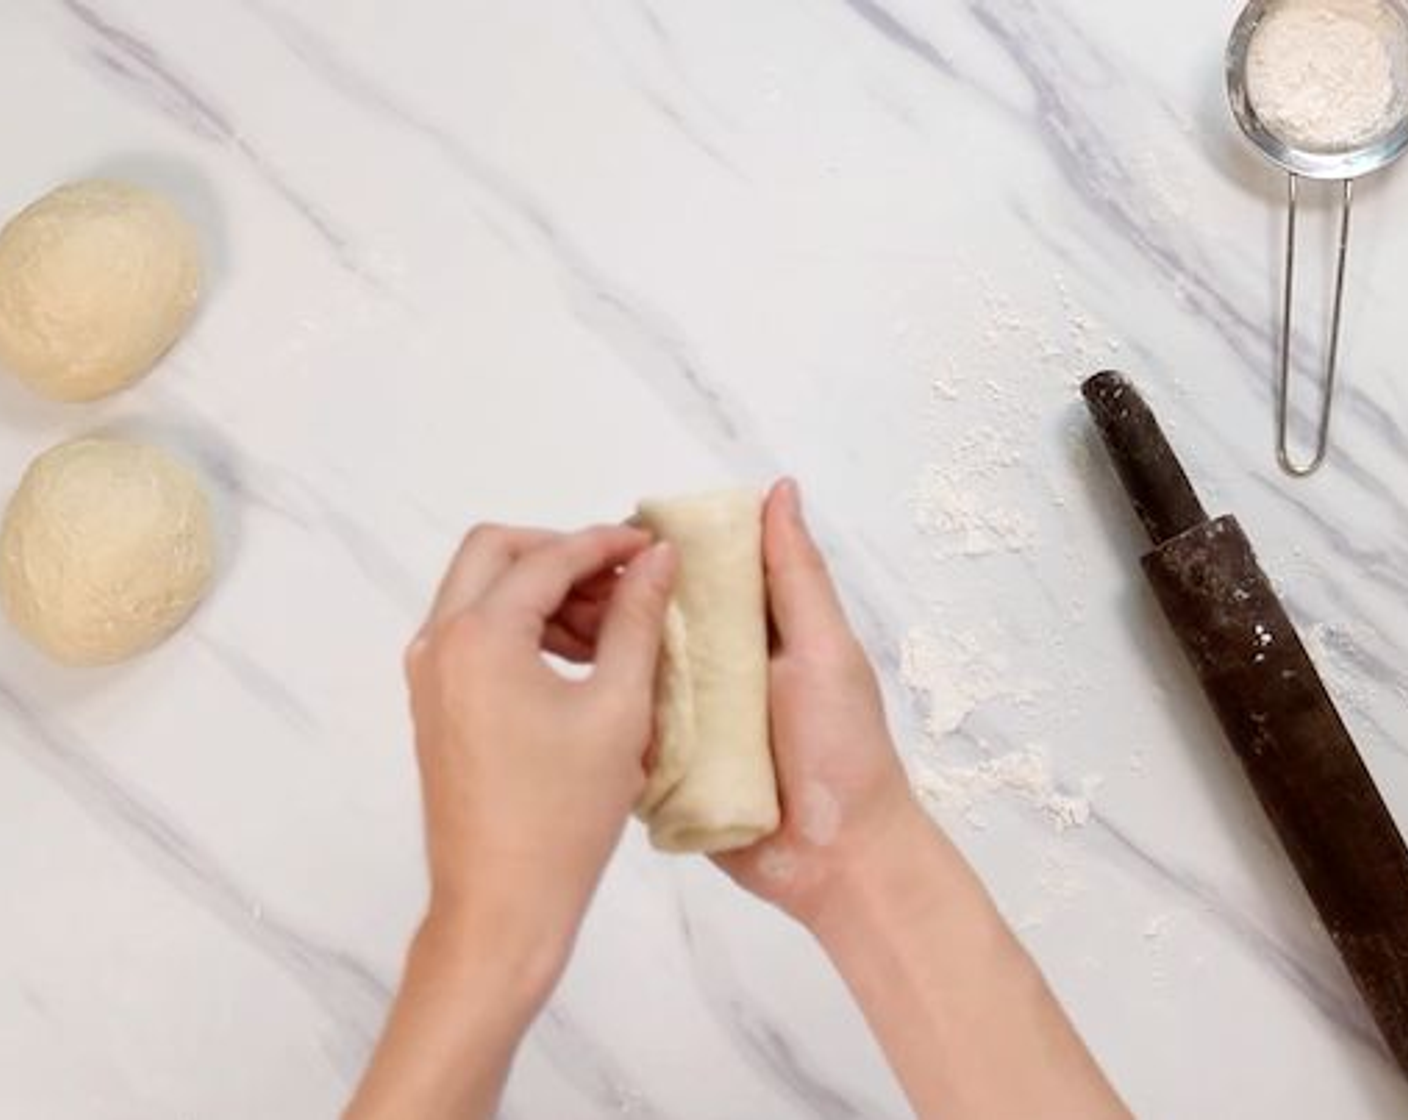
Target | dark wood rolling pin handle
(1163,498)
(1298,754)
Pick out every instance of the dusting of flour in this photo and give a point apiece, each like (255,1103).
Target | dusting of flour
(956,675)
(995,480)
(1025,774)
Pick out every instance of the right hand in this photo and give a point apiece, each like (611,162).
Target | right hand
(957,1005)
(843,789)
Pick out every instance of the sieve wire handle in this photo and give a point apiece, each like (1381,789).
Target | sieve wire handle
(1327,400)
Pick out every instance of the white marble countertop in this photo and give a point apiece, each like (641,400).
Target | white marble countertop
(525,262)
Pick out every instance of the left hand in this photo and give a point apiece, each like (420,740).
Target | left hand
(528,777)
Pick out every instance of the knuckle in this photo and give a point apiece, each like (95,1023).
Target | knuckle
(602,539)
(467,631)
(852,659)
(452,659)
(451,647)
(802,579)
(806,559)
(642,614)
(415,654)
(638,602)
(840,665)
(809,559)
(595,541)
(616,707)
(486,535)
(843,655)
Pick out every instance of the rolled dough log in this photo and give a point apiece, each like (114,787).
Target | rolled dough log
(712,787)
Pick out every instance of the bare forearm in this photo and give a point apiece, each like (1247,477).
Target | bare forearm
(961,1011)
(467,997)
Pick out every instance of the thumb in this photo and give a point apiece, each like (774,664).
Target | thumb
(801,594)
(631,631)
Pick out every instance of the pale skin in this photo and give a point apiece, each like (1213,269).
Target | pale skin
(528,780)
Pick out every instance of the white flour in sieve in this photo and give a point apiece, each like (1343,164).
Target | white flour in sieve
(1327,75)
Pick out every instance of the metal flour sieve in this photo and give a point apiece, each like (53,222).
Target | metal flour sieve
(1316,161)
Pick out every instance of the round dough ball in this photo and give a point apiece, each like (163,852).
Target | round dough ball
(105,549)
(97,280)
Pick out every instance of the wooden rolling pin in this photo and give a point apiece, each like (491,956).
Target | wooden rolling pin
(1273,707)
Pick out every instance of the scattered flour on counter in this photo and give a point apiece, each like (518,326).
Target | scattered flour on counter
(1155,930)
(1331,650)
(1157,926)
(1059,883)
(1059,877)
(1005,453)
(962,523)
(951,507)
(1025,774)
(1168,193)
(995,379)
(957,675)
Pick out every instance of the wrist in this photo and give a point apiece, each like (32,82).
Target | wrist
(901,873)
(960,1009)
(500,950)
(467,997)
(912,913)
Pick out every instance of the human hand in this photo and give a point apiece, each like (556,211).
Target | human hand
(843,789)
(528,777)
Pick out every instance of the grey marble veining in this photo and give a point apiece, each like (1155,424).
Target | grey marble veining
(347,992)
(136,63)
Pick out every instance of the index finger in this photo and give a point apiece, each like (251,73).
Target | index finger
(538,584)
